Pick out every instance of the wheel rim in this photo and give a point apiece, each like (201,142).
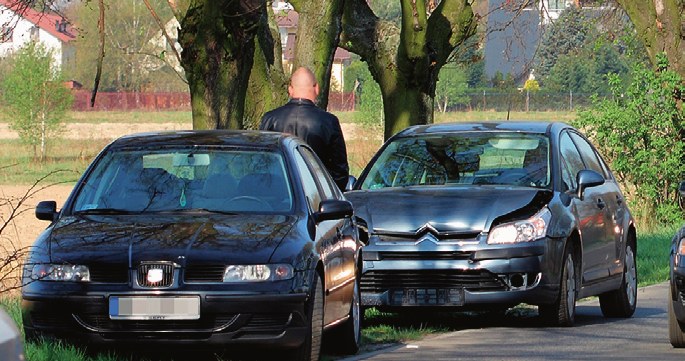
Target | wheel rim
(570,286)
(631,276)
(356,312)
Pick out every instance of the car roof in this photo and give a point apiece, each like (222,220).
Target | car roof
(236,138)
(521,126)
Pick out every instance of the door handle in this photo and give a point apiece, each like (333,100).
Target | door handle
(619,200)
(600,203)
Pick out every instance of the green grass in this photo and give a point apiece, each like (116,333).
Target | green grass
(97,117)
(653,250)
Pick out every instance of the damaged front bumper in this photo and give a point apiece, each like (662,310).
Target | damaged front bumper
(461,274)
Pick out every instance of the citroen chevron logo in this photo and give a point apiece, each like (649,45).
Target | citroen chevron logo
(427,237)
(426,228)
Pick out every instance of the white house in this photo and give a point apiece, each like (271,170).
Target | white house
(20,25)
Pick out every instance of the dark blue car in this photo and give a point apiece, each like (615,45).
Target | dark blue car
(199,237)
(490,215)
(676,300)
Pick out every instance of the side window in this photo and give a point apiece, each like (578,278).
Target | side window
(571,161)
(308,183)
(588,154)
(321,174)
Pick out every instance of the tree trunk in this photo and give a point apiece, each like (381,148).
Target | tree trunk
(406,62)
(318,32)
(660,25)
(266,89)
(218,41)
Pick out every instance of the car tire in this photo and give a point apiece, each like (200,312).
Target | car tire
(310,349)
(563,311)
(348,335)
(621,303)
(676,330)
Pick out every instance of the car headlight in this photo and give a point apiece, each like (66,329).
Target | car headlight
(258,273)
(60,272)
(681,247)
(527,230)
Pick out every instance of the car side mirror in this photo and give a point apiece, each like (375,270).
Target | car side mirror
(46,210)
(587,178)
(351,180)
(333,209)
(681,189)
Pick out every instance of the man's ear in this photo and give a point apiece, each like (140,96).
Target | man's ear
(290,90)
(316,89)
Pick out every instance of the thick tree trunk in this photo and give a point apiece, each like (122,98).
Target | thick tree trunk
(218,41)
(318,32)
(660,25)
(406,62)
(266,89)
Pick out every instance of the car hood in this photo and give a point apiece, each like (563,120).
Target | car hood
(132,239)
(448,210)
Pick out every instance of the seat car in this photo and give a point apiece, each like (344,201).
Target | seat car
(198,237)
(676,300)
(490,215)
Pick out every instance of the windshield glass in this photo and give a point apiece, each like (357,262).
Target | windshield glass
(497,158)
(221,180)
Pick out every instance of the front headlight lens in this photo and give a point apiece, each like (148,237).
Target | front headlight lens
(681,247)
(258,273)
(527,230)
(60,272)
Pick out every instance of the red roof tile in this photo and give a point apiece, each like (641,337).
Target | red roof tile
(45,21)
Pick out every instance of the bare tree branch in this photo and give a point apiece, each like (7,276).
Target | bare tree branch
(101,56)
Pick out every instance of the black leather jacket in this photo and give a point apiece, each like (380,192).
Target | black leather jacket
(320,129)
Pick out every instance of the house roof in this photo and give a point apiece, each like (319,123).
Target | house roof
(45,20)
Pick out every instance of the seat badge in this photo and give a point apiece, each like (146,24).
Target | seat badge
(155,275)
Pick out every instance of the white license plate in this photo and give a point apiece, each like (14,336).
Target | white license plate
(154,308)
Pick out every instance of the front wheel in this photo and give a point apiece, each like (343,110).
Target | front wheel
(563,311)
(676,330)
(621,302)
(310,349)
(348,335)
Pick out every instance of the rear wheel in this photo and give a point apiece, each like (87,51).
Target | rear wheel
(311,347)
(676,330)
(622,302)
(563,311)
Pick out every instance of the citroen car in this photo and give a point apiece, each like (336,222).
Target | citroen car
(490,215)
(199,237)
(676,300)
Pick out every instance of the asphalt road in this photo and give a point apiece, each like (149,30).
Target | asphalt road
(642,337)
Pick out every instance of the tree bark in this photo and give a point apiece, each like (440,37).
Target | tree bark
(267,86)
(660,25)
(218,41)
(405,62)
(318,33)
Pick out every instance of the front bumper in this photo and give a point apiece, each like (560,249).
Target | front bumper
(276,320)
(456,275)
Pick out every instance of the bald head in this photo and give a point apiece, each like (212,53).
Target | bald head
(303,84)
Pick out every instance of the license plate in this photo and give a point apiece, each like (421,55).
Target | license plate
(427,297)
(154,308)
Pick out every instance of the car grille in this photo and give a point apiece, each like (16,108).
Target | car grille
(472,280)
(167,274)
(466,237)
(204,273)
(108,273)
(102,323)
(454,255)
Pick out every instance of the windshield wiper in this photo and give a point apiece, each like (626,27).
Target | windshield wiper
(105,211)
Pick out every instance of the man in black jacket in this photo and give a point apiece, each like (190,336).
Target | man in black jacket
(320,129)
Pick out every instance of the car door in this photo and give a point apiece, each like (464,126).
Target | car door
(589,215)
(328,233)
(609,199)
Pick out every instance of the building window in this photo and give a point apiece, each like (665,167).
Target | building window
(35,33)
(556,5)
(6,33)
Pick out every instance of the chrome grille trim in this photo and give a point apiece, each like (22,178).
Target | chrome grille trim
(167,274)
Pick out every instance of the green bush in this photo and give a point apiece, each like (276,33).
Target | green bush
(641,130)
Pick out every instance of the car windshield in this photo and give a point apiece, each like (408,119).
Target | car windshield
(487,158)
(186,179)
